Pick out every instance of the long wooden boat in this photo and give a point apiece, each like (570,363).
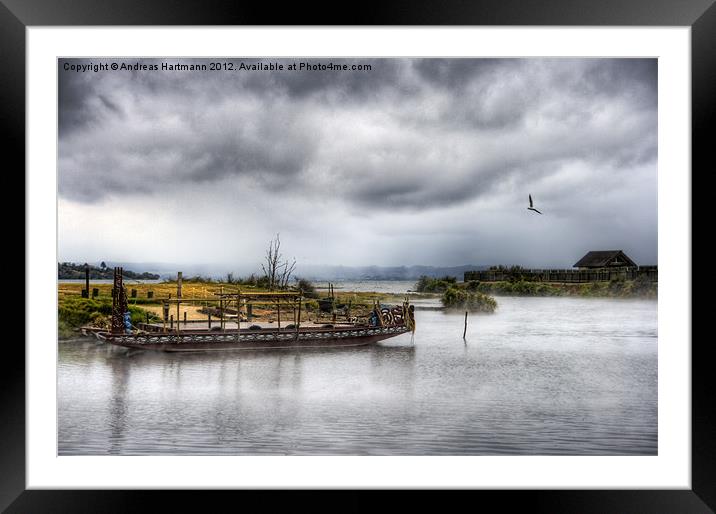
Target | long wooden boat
(382,323)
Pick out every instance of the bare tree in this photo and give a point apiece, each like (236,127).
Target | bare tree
(286,271)
(277,270)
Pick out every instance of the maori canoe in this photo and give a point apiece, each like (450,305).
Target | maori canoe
(383,322)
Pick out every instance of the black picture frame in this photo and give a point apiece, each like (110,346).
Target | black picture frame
(17,15)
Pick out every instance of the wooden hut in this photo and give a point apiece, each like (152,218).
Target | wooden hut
(605,259)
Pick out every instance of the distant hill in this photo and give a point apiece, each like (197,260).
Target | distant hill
(383,272)
(307,271)
(70,270)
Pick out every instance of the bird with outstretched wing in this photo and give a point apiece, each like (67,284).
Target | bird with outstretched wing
(531,207)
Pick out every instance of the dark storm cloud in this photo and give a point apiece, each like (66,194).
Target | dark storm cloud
(74,91)
(475,84)
(409,134)
(79,91)
(457,72)
(635,79)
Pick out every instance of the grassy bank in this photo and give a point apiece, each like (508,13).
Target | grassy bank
(639,288)
(74,312)
(614,289)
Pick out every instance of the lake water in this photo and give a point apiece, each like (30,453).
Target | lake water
(360,286)
(542,376)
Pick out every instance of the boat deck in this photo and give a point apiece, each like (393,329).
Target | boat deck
(203,325)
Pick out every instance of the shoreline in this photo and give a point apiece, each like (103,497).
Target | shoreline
(75,311)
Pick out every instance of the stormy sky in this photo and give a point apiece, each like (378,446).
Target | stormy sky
(413,161)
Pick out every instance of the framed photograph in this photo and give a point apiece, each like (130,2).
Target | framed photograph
(436,238)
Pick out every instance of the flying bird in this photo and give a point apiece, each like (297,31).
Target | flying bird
(531,208)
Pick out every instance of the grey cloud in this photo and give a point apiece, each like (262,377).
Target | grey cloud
(454,129)
(110,105)
(421,161)
(455,73)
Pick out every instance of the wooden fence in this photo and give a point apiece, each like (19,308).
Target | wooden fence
(565,275)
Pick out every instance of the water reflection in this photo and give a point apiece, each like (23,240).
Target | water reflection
(118,403)
(543,376)
(231,393)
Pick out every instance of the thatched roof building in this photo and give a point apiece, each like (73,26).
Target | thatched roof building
(605,259)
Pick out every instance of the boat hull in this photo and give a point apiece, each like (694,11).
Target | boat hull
(252,340)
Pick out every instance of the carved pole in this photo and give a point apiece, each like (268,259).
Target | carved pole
(86,292)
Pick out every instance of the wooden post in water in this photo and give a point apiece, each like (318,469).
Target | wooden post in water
(238,315)
(95,292)
(178,284)
(184,318)
(171,322)
(209,319)
(278,308)
(221,308)
(86,292)
(298,318)
(464,332)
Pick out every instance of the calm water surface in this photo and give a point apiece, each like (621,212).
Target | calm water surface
(546,376)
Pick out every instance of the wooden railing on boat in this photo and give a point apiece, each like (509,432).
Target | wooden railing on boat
(243,303)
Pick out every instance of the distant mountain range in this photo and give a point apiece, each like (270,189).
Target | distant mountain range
(310,272)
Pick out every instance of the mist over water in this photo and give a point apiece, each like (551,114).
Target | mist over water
(542,376)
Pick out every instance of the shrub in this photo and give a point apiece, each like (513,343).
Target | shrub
(422,283)
(197,279)
(643,287)
(75,312)
(457,298)
(585,289)
(473,285)
(310,305)
(309,290)
(252,280)
(616,286)
(523,288)
(64,331)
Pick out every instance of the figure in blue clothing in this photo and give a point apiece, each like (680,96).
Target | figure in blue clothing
(373,320)
(128,322)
